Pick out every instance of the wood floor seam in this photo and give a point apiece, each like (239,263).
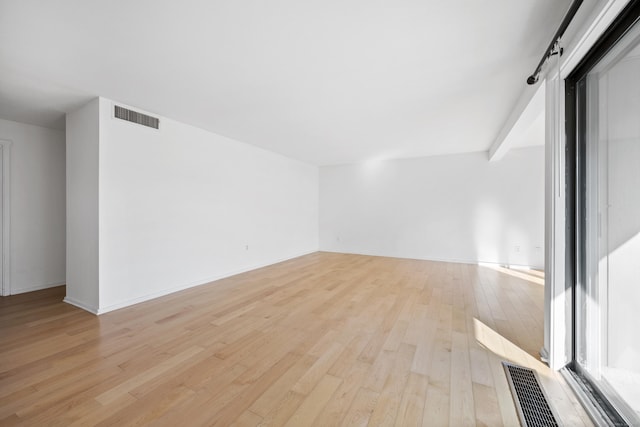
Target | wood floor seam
(325,339)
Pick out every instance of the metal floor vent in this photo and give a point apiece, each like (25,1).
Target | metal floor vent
(531,401)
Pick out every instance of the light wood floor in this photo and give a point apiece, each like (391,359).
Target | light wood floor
(325,339)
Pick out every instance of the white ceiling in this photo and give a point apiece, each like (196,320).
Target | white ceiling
(323,81)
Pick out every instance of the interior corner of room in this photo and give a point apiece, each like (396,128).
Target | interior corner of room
(128,176)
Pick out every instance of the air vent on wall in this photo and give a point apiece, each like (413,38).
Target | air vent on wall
(135,117)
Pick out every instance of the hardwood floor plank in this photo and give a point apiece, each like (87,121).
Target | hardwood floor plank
(309,380)
(281,413)
(411,408)
(230,412)
(247,419)
(361,409)
(279,389)
(150,409)
(389,400)
(343,397)
(326,339)
(315,402)
(159,369)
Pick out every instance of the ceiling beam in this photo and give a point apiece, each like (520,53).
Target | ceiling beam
(528,108)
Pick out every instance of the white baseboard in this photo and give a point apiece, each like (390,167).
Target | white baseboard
(544,355)
(204,281)
(35,288)
(81,305)
(435,259)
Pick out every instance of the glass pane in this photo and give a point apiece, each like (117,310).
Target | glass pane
(608,301)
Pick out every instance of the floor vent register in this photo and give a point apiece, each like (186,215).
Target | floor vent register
(530,400)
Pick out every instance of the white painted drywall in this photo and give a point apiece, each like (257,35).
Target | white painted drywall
(452,208)
(37,206)
(181,206)
(82,206)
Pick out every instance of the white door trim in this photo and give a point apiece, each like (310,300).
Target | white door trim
(5,146)
(558,299)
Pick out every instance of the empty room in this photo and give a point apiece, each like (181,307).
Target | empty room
(409,213)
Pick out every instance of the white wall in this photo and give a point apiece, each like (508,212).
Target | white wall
(82,206)
(181,206)
(452,208)
(37,206)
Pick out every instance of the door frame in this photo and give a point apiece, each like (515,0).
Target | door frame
(5,259)
(598,405)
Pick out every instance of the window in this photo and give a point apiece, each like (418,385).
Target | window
(603,100)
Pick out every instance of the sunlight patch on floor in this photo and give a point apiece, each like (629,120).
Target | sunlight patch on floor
(504,348)
(532,276)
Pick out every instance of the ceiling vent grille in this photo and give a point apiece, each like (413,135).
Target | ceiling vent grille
(135,117)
